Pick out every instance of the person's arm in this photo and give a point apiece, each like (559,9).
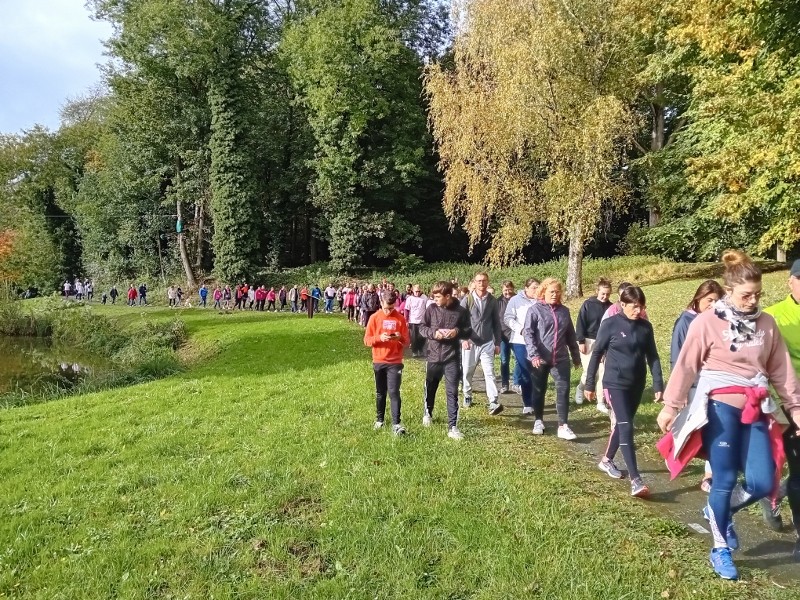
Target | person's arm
(654,362)
(580,329)
(510,318)
(497,324)
(530,335)
(425,328)
(676,343)
(464,325)
(782,375)
(572,342)
(598,350)
(405,336)
(372,333)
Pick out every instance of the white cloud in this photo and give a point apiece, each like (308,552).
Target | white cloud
(49,51)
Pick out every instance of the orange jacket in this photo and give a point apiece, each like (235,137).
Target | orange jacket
(390,352)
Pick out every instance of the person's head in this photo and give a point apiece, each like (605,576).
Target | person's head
(550,291)
(481,282)
(463,291)
(705,296)
(388,300)
(531,287)
(371,287)
(390,286)
(632,301)
(416,290)
(508,288)
(409,288)
(603,289)
(742,280)
(622,286)
(794,280)
(442,293)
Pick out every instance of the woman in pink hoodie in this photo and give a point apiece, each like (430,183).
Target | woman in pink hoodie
(731,354)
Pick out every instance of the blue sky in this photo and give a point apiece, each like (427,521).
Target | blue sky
(49,51)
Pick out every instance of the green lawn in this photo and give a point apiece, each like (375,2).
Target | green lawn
(256,474)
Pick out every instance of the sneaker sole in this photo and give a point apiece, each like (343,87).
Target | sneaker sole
(643,493)
(497,410)
(736,578)
(609,473)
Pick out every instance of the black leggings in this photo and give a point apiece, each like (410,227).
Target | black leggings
(624,404)
(791,444)
(560,372)
(388,378)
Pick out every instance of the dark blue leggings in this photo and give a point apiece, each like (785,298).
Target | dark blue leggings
(732,447)
(525,367)
(624,404)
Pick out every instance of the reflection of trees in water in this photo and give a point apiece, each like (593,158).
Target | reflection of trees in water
(34,366)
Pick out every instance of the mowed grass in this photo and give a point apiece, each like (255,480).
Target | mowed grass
(256,474)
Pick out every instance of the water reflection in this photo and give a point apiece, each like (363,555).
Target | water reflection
(32,365)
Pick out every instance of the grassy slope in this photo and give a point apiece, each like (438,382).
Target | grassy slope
(256,475)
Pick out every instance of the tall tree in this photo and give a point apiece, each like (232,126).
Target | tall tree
(532,122)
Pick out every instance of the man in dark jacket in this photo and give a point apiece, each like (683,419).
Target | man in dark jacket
(444,325)
(484,343)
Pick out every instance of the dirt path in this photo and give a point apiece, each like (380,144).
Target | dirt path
(761,548)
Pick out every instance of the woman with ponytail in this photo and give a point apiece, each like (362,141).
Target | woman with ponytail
(732,353)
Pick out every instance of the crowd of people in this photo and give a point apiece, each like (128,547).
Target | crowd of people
(725,354)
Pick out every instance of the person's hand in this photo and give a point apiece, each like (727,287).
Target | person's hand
(536,362)
(589,395)
(576,363)
(451,333)
(385,337)
(582,347)
(466,344)
(665,418)
(496,350)
(438,335)
(659,397)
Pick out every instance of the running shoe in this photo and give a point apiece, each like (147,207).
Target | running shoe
(426,420)
(454,434)
(601,406)
(609,468)
(377,425)
(503,389)
(467,401)
(538,427)
(495,408)
(722,562)
(565,433)
(398,429)
(517,389)
(730,533)
(579,395)
(772,516)
(705,485)
(639,489)
(527,410)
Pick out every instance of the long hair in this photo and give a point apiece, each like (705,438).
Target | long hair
(709,286)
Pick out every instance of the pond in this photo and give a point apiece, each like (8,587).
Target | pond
(34,365)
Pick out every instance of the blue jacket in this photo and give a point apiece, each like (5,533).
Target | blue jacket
(679,336)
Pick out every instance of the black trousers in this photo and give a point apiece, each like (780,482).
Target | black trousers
(560,372)
(791,445)
(417,341)
(388,378)
(451,371)
(624,404)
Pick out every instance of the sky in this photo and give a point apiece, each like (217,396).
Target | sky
(49,52)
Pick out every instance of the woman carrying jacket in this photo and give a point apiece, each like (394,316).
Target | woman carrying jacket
(549,341)
(732,353)
(629,347)
(514,319)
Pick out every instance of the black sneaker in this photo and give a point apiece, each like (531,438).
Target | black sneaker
(772,516)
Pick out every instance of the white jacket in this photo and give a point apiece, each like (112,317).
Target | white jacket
(515,314)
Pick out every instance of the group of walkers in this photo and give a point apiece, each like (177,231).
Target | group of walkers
(725,352)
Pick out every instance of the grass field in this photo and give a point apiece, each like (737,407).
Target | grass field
(256,474)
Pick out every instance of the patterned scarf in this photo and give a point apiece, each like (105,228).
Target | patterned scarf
(741,325)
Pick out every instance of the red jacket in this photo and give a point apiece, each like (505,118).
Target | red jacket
(390,352)
(132,293)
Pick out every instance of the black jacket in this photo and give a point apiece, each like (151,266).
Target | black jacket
(629,346)
(453,316)
(589,317)
(502,303)
(486,323)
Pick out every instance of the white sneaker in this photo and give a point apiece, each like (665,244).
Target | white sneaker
(538,427)
(579,395)
(495,408)
(426,420)
(601,406)
(527,410)
(398,429)
(455,434)
(377,425)
(565,433)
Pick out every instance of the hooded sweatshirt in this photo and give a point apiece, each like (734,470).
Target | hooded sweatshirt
(515,314)
(390,352)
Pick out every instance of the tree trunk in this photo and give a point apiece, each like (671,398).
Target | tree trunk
(191,283)
(658,138)
(200,214)
(780,253)
(575,263)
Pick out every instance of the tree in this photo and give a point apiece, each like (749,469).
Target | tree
(532,122)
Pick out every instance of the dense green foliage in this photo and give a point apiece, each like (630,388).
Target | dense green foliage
(281,134)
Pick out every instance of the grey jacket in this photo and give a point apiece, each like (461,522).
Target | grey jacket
(486,324)
(549,334)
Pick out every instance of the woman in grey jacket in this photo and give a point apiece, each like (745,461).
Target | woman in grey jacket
(550,340)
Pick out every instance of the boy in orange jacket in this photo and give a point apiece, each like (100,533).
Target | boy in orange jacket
(387,335)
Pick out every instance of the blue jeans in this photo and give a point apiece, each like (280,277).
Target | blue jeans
(328,304)
(733,446)
(525,381)
(505,364)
